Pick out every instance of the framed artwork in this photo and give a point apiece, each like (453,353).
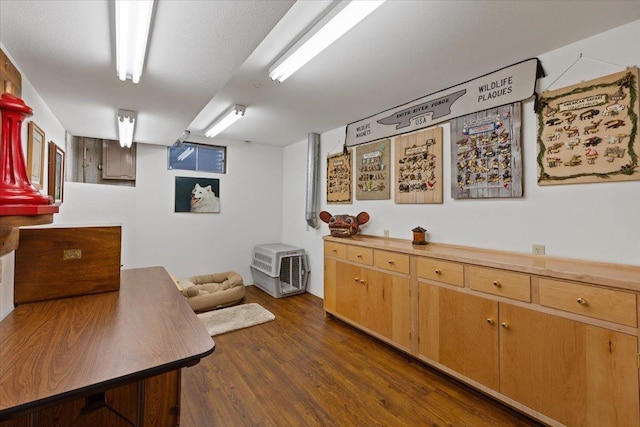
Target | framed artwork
(56,172)
(588,132)
(198,195)
(418,171)
(372,171)
(35,155)
(339,178)
(486,154)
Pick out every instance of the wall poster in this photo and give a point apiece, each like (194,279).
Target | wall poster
(339,178)
(372,171)
(588,132)
(418,167)
(486,154)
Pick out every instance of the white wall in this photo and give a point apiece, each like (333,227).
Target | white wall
(188,244)
(588,221)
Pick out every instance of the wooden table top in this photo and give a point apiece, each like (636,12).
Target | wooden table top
(72,347)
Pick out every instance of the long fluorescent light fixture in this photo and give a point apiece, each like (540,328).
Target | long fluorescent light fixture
(339,20)
(133,20)
(226,119)
(126,124)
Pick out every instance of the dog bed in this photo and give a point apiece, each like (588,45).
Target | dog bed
(209,291)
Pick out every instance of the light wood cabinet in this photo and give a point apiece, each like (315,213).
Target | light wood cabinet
(577,374)
(554,338)
(459,331)
(370,298)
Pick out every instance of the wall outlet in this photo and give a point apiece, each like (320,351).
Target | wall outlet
(386,233)
(537,249)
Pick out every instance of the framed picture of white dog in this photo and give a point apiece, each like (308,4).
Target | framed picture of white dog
(198,195)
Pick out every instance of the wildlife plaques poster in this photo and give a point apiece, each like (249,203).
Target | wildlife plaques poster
(418,171)
(372,171)
(486,154)
(339,178)
(588,132)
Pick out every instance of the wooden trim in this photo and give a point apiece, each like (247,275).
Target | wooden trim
(621,276)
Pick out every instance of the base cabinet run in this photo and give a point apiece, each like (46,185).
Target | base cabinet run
(559,347)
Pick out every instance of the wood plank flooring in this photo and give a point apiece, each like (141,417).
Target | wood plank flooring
(305,369)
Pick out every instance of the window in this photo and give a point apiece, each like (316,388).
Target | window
(195,157)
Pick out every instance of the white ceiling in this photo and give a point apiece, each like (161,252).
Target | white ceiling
(204,55)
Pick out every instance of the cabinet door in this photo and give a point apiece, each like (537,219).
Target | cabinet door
(118,162)
(388,308)
(459,331)
(577,374)
(351,292)
(330,277)
(162,400)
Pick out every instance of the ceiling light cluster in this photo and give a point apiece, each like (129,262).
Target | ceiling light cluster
(133,21)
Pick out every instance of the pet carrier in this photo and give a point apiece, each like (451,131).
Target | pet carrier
(280,270)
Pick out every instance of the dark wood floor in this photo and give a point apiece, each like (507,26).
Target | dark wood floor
(305,369)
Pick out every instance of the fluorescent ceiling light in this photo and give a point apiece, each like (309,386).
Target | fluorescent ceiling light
(339,20)
(225,120)
(133,19)
(126,124)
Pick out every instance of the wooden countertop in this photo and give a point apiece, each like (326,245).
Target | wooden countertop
(607,274)
(71,347)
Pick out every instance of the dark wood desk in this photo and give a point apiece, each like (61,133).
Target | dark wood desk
(56,351)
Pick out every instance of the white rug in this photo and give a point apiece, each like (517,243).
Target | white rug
(232,318)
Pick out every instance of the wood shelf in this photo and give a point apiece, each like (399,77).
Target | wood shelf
(9,228)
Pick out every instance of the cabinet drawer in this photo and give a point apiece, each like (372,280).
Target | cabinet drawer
(337,250)
(605,304)
(360,254)
(500,282)
(392,261)
(442,271)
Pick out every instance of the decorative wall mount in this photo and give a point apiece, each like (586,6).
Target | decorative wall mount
(373,170)
(339,178)
(588,132)
(418,167)
(486,154)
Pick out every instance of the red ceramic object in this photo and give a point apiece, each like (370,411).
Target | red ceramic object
(17,194)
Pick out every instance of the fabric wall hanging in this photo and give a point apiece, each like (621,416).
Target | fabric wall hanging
(588,132)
